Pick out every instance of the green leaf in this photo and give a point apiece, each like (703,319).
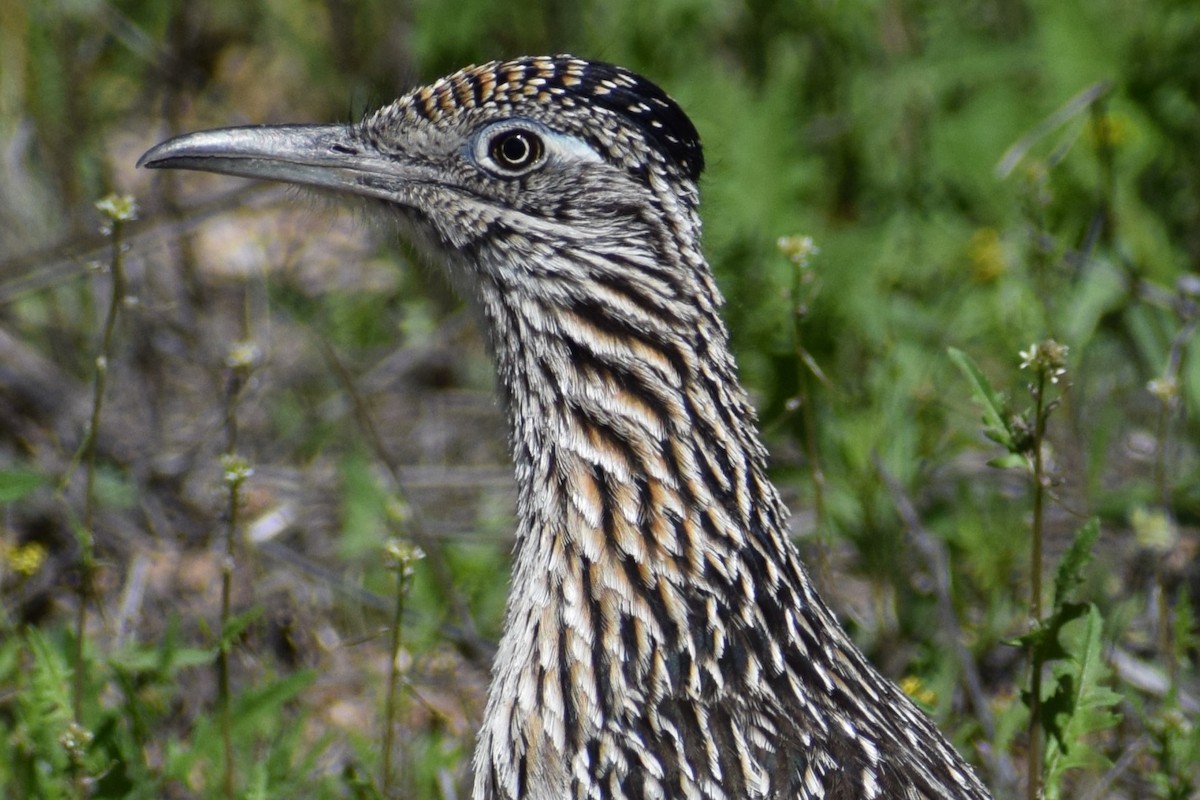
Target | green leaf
(145,660)
(1009,461)
(260,703)
(364,508)
(1043,640)
(993,408)
(1184,635)
(1060,704)
(359,783)
(16,483)
(1080,706)
(1069,574)
(237,624)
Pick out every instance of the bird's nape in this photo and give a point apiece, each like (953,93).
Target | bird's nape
(662,638)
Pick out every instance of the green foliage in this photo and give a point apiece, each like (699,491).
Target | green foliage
(1185,634)
(997,419)
(1175,746)
(17,483)
(1081,704)
(129,707)
(364,510)
(235,626)
(1078,703)
(41,717)
(1174,734)
(1069,575)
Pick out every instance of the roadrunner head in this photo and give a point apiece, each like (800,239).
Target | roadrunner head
(546,186)
(556,150)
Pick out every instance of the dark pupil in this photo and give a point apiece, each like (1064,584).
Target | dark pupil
(514,149)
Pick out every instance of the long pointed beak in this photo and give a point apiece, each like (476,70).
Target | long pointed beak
(322,156)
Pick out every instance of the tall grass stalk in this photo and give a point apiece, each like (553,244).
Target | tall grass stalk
(430,547)
(401,557)
(1034,780)
(240,361)
(117,210)
(800,250)
(1048,362)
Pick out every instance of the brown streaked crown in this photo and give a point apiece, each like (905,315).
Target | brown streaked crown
(577,93)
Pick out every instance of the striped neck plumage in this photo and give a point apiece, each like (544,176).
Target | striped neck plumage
(641,488)
(626,416)
(661,632)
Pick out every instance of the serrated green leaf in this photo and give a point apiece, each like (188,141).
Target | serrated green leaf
(1043,640)
(1058,706)
(993,409)
(1069,574)
(1082,705)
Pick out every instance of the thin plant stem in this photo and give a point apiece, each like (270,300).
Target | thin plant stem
(99,384)
(402,556)
(240,361)
(223,689)
(799,250)
(118,210)
(393,690)
(813,454)
(1034,782)
(439,569)
(1039,498)
(1162,594)
(227,565)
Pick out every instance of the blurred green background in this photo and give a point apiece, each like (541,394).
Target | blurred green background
(981,175)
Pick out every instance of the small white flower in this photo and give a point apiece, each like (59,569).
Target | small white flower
(798,249)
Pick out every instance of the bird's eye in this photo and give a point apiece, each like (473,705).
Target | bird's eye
(515,150)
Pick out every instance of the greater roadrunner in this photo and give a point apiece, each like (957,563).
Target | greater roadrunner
(662,638)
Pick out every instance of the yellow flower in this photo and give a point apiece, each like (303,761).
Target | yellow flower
(25,559)
(918,691)
(1153,530)
(1165,389)
(1108,130)
(986,255)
